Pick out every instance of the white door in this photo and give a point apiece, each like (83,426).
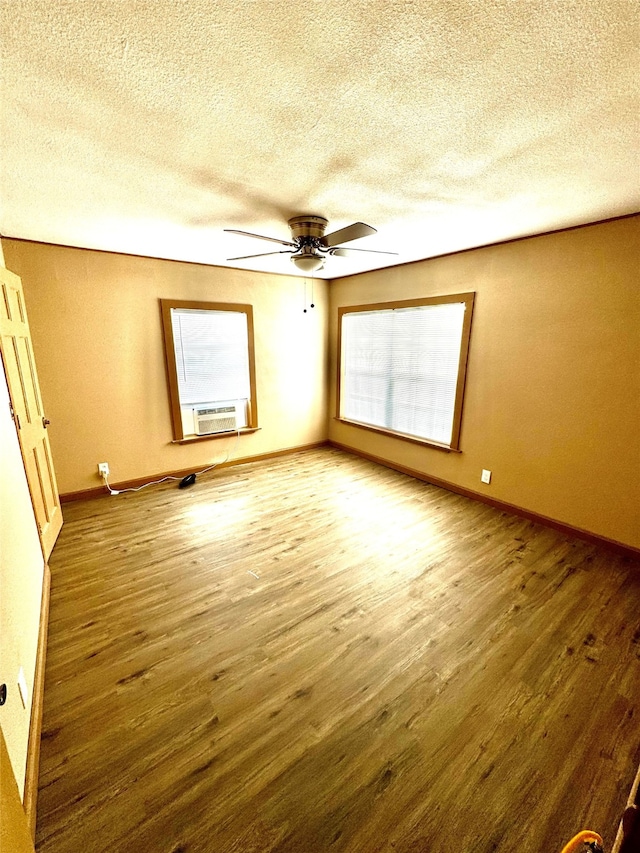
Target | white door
(27,411)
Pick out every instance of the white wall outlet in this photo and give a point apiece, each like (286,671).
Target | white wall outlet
(22,687)
(485,476)
(103,469)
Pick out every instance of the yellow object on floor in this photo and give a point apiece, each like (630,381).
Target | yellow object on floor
(578,842)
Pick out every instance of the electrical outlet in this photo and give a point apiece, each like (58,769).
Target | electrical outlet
(485,476)
(103,469)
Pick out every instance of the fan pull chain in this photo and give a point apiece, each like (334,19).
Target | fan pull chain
(312,305)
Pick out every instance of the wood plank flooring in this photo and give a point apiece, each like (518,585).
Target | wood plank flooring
(410,671)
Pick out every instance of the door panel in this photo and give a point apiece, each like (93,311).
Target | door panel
(20,368)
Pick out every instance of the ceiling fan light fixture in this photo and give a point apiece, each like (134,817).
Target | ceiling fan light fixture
(308,262)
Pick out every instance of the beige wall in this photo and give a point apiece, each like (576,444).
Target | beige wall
(21,575)
(95,324)
(552,405)
(14,832)
(553,386)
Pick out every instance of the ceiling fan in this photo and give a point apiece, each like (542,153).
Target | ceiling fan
(309,245)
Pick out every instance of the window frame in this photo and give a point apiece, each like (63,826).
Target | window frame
(468,299)
(166,306)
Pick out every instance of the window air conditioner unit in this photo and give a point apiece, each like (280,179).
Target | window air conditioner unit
(216,419)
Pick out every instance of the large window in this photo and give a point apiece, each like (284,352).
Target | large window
(402,367)
(210,366)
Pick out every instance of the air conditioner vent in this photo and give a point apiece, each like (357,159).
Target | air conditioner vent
(215,419)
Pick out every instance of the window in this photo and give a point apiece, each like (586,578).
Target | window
(402,367)
(210,367)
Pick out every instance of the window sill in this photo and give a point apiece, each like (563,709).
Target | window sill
(190,439)
(401,435)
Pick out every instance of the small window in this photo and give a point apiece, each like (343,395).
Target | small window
(210,366)
(402,367)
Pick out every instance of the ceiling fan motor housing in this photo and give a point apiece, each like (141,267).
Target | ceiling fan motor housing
(307,233)
(308,230)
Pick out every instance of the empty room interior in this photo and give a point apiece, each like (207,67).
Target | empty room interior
(320,457)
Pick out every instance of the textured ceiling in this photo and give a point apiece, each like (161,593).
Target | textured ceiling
(148,126)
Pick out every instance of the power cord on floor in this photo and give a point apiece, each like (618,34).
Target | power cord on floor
(190,477)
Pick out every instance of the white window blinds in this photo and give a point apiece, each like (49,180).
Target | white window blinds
(212,355)
(400,368)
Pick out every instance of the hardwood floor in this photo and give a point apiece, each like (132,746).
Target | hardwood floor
(318,654)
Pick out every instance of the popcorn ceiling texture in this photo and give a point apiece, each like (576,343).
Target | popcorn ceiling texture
(147,126)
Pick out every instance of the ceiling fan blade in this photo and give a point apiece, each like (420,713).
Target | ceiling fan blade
(261,255)
(351,232)
(344,252)
(259,237)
